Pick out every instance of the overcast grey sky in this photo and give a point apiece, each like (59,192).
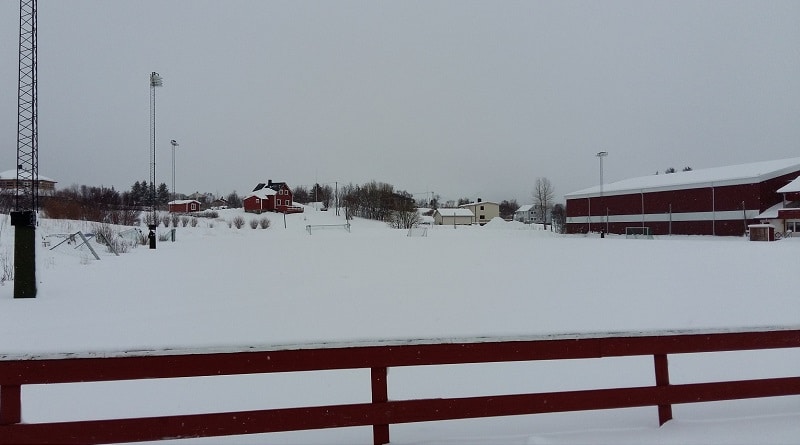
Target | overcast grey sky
(463,98)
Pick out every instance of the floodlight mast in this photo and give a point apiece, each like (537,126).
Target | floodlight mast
(155,81)
(26,199)
(601,155)
(174,144)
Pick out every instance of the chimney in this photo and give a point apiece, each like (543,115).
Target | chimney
(479,200)
(269,182)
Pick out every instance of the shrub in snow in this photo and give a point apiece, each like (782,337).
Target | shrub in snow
(175,218)
(264,223)
(165,220)
(253,224)
(213,214)
(6,268)
(148,218)
(184,221)
(193,222)
(113,239)
(238,222)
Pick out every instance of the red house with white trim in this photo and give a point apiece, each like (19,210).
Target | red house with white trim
(271,197)
(713,201)
(184,206)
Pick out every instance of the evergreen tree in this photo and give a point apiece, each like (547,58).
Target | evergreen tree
(162,195)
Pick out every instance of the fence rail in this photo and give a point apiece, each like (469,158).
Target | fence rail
(381,412)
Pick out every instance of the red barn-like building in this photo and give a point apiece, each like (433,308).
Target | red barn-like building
(270,197)
(184,206)
(714,201)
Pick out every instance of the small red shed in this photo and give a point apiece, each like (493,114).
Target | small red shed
(184,206)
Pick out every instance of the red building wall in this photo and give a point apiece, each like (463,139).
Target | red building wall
(185,207)
(279,202)
(696,211)
(256,204)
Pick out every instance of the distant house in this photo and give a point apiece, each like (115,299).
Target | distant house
(525,214)
(271,197)
(219,203)
(531,213)
(204,198)
(453,217)
(483,211)
(184,206)
(8,181)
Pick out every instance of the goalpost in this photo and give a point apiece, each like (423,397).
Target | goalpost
(328,226)
(638,232)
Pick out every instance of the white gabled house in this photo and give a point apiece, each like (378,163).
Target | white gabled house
(525,214)
(532,213)
(482,211)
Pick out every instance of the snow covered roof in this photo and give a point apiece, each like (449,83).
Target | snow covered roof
(262,193)
(793,186)
(12,174)
(717,176)
(770,213)
(183,201)
(525,208)
(456,212)
(470,204)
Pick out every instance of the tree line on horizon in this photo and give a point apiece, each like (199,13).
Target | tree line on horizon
(372,200)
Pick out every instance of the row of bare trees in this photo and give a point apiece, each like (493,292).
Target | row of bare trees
(379,201)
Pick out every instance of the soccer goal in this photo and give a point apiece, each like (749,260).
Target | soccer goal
(638,232)
(317,227)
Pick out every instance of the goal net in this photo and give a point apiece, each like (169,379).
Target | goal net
(638,232)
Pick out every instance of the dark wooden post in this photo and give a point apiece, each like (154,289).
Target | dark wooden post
(662,380)
(10,404)
(380,394)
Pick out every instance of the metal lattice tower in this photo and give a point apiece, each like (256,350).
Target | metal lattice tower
(26,201)
(27,190)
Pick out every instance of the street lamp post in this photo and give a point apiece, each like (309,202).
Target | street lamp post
(174,144)
(155,81)
(600,155)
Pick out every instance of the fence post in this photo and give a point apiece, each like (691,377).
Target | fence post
(380,394)
(662,380)
(10,404)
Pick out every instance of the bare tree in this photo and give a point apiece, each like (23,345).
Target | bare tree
(404,219)
(559,218)
(543,197)
(507,209)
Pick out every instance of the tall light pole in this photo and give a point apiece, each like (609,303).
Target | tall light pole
(155,81)
(601,155)
(174,144)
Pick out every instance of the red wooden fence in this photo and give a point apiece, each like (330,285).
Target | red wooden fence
(381,412)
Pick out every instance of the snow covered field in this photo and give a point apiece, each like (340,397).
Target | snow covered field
(222,287)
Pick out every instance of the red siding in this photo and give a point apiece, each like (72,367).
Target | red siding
(270,202)
(670,204)
(185,207)
(256,204)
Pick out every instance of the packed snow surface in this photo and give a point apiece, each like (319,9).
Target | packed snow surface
(221,288)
